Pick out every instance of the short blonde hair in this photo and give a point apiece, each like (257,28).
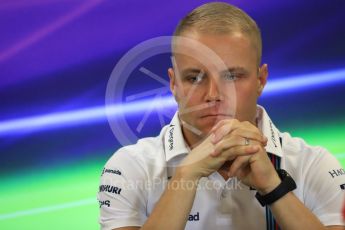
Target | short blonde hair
(221,18)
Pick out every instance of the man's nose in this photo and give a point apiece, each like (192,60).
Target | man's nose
(213,91)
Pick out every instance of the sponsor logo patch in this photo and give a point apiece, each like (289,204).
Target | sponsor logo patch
(272,134)
(104,203)
(110,188)
(112,171)
(171,138)
(194,217)
(337,172)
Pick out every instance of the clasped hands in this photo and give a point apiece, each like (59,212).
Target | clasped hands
(240,143)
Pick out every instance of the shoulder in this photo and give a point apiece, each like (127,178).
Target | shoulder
(319,177)
(145,147)
(306,161)
(298,147)
(143,157)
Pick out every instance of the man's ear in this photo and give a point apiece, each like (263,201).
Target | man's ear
(173,82)
(262,78)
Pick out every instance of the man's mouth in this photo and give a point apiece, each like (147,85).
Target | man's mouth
(219,115)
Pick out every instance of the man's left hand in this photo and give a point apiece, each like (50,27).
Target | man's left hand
(255,170)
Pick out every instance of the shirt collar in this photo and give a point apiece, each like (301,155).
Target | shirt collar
(174,143)
(269,130)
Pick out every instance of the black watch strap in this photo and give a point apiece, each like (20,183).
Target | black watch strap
(287,185)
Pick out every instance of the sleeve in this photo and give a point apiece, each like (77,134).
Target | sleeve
(122,196)
(324,188)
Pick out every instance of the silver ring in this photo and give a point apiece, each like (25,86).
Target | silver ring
(246,141)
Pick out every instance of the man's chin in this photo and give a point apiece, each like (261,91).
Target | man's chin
(205,130)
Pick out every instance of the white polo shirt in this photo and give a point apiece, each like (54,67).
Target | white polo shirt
(135,177)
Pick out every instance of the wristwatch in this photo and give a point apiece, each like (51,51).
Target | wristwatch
(287,185)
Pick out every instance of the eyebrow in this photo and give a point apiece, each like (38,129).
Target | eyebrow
(190,70)
(230,69)
(236,69)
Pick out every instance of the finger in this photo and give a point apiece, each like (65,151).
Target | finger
(219,124)
(246,125)
(245,129)
(252,134)
(224,129)
(239,162)
(242,172)
(227,143)
(232,141)
(238,151)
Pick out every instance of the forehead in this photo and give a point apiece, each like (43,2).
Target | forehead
(204,50)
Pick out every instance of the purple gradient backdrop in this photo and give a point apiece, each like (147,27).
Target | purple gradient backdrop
(58,55)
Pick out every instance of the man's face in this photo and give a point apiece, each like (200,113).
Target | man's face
(207,92)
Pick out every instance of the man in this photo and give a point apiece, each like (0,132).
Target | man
(211,168)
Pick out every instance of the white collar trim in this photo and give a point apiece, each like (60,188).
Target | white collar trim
(174,143)
(269,130)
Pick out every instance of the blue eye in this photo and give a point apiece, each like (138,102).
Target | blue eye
(196,79)
(230,76)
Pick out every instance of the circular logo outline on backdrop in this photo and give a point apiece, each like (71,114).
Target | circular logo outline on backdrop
(127,64)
